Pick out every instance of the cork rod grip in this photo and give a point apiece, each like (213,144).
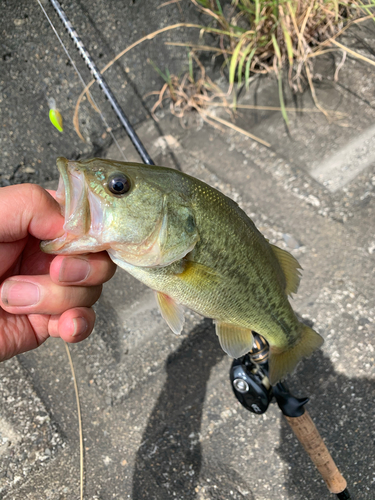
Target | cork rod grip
(308,435)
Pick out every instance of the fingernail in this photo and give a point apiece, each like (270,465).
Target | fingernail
(80,326)
(74,270)
(20,293)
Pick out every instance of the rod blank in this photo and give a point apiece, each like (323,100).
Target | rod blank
(103,84)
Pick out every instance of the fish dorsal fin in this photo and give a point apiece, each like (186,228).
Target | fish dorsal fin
(234,340)
(172,312)
(290,267)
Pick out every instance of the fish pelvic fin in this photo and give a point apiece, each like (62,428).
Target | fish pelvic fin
(282,363)
(290,267)
(234,340)
(172,312)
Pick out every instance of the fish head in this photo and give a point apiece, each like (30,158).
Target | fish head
(141,213)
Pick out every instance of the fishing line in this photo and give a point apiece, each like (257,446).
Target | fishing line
(108,128)
(79,418)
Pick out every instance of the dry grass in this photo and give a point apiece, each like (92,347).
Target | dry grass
(267,35)
(255,36)
(188,94)
(195,92)
(280,36)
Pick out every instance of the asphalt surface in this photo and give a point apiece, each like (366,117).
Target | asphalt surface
(34,67)
(159,417)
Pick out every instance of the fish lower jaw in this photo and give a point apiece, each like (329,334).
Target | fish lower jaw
(120,254)
(70,244)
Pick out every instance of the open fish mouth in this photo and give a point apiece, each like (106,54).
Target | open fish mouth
(71,195)
(81,209)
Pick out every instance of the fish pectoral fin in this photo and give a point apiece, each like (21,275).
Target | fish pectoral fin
(284,362)
(290,267)
(172,312)
(234,340)
(198,274)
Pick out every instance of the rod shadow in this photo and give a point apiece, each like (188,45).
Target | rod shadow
(169,460)
(169,463)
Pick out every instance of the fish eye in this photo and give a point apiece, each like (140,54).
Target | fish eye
(118,184)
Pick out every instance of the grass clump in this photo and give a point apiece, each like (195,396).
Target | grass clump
(192,91)
(271,35)
(195,91)
(254,37)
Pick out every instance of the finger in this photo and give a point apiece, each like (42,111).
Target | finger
(34,261)
(72,326)
(86,270)
(9,253)
(16,335)
(52,192)
(28,208)
(21,333)
(76,324)
(39,295)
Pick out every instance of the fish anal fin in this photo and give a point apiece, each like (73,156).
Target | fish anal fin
(234,340)
(172,312)
(284,362)
(290,267)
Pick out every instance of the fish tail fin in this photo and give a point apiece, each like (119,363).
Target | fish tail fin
(282,363)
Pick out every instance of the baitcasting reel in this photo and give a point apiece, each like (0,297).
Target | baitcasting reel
(252,388)
(251,385)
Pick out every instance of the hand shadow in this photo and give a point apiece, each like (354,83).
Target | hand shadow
(342,409)
(169,460)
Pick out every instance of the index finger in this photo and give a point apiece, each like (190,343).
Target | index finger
(84,270)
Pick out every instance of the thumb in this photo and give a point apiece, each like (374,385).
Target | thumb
(28,209)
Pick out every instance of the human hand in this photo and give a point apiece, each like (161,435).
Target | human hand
(42,295)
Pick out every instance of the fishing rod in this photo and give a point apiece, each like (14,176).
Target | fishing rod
(249,374)
(250,384)
(103,84)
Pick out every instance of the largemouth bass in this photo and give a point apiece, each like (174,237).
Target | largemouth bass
(191,244)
